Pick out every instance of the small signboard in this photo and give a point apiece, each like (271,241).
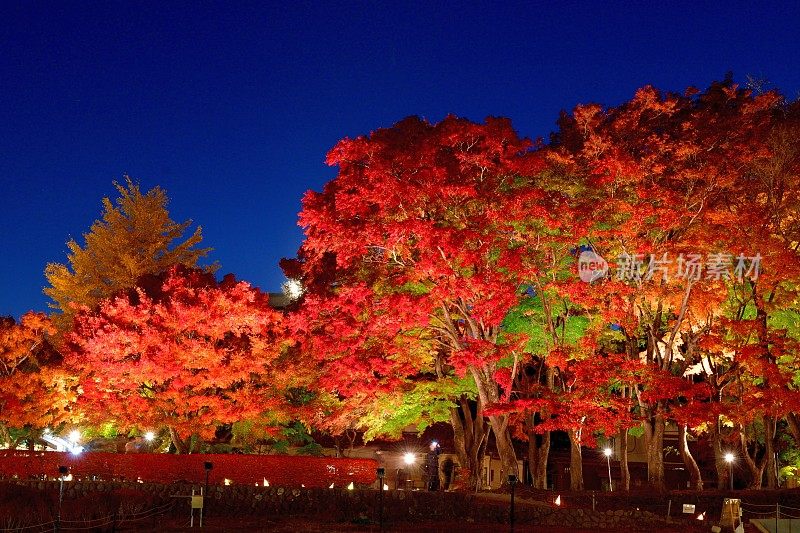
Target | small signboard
(731,512)
(197,502)
(688,508)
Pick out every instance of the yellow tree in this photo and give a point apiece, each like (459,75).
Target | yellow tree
(135,237)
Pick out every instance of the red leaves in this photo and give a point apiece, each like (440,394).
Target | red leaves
(34,388)
(279,471)
(182,353)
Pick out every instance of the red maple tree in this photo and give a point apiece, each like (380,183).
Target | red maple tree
(35,391)
(180,351)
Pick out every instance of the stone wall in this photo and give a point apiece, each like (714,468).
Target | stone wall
(345,506)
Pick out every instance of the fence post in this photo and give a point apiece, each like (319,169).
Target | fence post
(669,509)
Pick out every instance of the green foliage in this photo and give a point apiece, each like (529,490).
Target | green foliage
(424,404)
(289,437)
(108,430)
(636,431)
(786,319)
(529,318)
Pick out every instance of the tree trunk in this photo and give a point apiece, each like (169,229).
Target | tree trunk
(794,427)
(575,460)
(538,453)
(688,461)
(624,472)
(715,439)
(770,465)
(181,446)
(505,446)
(488,394)
(470,441)
(755,465)
(654,446)
(539,442)
(5,436)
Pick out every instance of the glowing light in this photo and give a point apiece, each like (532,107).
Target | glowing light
(149,436)
(607,452)
(227,481)
(351,486)
(67,478)
(558,500)
(331,486)
(729,457)
(292,288)
(409,458)
(266,483)
(75,435)
(302,486)
(385,486)
(701,516)
(77,450)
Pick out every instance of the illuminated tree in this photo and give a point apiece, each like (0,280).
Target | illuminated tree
(35,392)
(135,237)
(180,351)
(656,175)
(413,239)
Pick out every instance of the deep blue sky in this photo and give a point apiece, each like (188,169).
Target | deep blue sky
(231,106)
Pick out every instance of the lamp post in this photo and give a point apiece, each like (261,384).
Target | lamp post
(512,481)
(381,475)
(607,452)
(729,459)
(409,459)
(208,465)
(62,471)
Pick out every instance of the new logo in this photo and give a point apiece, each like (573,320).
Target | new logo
(591,266)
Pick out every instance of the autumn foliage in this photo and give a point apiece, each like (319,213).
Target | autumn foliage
(180,351)
(442,275)
(35,389)
(317,472)
(135,237)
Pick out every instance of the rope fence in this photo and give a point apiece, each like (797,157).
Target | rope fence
(672,508)
(767,511)
(115,520)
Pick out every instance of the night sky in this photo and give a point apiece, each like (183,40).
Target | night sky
(231,106)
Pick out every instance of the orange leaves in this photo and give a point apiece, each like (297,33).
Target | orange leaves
(34,388)
(183,353)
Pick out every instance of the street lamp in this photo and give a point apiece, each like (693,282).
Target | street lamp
(729,457)
(512,481)
(208,465)
(607,452)
(409,458)
(381,474)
